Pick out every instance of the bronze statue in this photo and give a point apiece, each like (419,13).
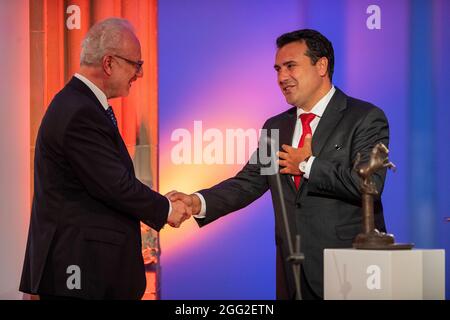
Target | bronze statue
(371,238)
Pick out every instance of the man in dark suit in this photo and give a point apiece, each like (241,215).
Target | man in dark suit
(84,239)
(320,138)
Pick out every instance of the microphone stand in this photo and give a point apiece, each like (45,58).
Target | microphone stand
(295,258)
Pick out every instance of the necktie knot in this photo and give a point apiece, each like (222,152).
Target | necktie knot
(111,116)
(306,118)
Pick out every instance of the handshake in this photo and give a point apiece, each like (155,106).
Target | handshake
(183,207)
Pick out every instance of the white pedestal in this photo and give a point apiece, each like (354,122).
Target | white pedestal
(380,274)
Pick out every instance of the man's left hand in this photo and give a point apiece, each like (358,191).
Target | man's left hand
(291,158)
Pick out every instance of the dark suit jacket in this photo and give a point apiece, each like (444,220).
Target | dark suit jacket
(87,204)
(326,210)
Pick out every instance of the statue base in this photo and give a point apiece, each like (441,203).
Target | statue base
(376,240)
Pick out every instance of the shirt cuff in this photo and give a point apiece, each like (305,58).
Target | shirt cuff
(308,167)
(170,208)
(202,212)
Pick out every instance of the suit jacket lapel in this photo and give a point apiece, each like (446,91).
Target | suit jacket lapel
(330,118)
(286,132)
(124,154)
(83,88)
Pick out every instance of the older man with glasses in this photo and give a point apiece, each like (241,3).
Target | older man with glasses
(84,239)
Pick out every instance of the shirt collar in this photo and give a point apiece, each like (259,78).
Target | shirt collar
(320,106)
(96,90)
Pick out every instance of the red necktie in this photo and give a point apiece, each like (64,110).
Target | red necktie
(306,119)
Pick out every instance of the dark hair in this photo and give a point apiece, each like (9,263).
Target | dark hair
(318,46)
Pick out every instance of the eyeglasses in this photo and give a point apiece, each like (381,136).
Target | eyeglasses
(137,64)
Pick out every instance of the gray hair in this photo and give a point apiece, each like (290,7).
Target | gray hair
(105,37)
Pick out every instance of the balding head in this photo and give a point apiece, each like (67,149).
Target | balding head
(107,37)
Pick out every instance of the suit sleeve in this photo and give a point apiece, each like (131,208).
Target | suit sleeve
(334,179)
(91,150)
(237,192)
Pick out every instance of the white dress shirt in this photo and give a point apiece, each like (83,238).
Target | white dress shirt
(96,90)
(318,110)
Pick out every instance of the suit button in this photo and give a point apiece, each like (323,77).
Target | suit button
(298,205)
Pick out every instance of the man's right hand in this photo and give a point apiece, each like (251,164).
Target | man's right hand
(180,213)
(193,200)
(181,210)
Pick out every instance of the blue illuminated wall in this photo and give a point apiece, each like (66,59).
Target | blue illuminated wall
(216,66)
